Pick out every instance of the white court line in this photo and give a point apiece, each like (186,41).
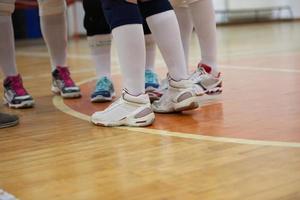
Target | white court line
(58,102)
(158,62)
(270,69)
(117,71)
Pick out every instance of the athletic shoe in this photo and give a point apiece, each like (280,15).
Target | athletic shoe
(7,120)
(164,85)
(152,85)
(203,77)
(63,84)
(15,95)
(180,96)
(6,196)
(128,111)
(104,91)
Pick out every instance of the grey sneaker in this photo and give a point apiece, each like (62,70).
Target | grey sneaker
(7,120)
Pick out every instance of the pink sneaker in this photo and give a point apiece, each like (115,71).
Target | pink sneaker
(63,84)
(15,95)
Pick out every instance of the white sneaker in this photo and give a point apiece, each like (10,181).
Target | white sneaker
(6,196)
(180,96)
(203,77)
(128,110)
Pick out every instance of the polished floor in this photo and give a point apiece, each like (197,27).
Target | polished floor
(243,144)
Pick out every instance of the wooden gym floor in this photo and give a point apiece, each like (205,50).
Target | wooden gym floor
(243,144)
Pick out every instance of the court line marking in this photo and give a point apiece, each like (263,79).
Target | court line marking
(58,102)
(158,62)
(236,53)
(117,71)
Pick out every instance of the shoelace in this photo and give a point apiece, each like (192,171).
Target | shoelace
(150,77)
(65,76)
(17,85)
(103,84)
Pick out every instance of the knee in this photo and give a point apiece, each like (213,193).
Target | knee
(7,7)
(182,3)
(52,7)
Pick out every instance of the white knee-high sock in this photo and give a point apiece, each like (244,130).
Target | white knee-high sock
(100,46)
(150,52)
(7,46)
(130,44)
(165,30)
(203,16)
(54,29)
(186,28)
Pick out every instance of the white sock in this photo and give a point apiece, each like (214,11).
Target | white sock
(165,30)
(203,16)
(186,28)
(150,52)
(130,43)
(100,46)
(7,46)
(54,29)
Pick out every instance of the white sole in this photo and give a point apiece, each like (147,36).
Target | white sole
(73,95)
(185,105)
(102,99)
(215,89)
(24,104)
(128,121)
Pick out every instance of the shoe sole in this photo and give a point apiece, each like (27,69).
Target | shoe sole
(214,91)
(24,104)
(102,99)
(185,105)
(10,124)
(73,95)
(140,122)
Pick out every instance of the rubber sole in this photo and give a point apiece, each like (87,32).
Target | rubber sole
(185,105)
(102,99)
(10,124)
(73,95)
(140,122)
(25,104)
(214,91)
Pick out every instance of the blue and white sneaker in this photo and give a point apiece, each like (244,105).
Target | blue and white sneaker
(104,91)
(152,85)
